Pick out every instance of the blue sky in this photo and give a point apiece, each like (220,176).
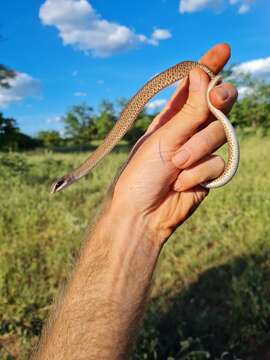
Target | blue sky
(69,51)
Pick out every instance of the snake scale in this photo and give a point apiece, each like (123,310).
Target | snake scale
(134,107)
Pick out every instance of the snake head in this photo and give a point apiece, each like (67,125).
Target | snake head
(62,183)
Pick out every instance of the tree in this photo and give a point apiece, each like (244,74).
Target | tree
(12,139)
(141,124)
(253,108)
(80,124)
(106,119)
(106,107)
(49,138)
(139,128)
(5,75)
(27,142)
(121,103)
(9,132)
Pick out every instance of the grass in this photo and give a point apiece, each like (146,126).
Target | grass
(211,295)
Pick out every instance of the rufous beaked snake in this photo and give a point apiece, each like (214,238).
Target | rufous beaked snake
(134,107)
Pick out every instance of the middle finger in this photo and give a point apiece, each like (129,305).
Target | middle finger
(201,144)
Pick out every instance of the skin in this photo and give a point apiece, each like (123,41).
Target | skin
(98,314)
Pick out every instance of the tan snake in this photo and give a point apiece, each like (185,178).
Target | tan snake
(135,106)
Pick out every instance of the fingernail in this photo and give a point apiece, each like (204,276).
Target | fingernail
(181,157)
(222,93)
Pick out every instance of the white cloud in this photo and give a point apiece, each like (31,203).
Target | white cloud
(258,68)
(54,119)
(62,133)
(156,104)
(80,94)
(244,91)
(21,86)
(160,34)
(243,9)
(189,6)
(243,5)
(81,26)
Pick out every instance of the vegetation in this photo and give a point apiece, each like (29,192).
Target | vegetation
(253,109)
(5,75)
(12,139)
(211,293)
(210,298)
(49,138)
(82,125)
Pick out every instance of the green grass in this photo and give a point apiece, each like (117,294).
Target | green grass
(211,294)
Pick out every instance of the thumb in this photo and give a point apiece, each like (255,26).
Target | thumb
(193,114)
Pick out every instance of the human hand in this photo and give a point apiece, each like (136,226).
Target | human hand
(161,182)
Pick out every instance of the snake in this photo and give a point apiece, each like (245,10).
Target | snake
(133,108)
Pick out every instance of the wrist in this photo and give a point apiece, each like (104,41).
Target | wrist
(126,222)
(132,252)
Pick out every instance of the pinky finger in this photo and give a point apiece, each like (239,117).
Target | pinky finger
(207,169)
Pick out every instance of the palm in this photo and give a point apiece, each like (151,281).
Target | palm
(151,183)
(155,182)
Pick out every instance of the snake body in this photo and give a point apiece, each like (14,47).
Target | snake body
(134,107)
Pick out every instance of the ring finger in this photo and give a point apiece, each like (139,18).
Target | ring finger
(205,170)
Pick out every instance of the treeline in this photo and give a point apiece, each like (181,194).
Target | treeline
(11,138)
(252,109)
(81,125)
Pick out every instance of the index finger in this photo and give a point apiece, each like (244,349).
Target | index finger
(217,57)
(214,59)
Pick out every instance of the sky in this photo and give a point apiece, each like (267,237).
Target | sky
(66,52)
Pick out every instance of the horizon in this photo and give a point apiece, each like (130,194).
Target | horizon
(67,52)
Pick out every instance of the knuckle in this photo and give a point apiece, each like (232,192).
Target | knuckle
(189,177)
(199,112)
(215,134)
(205,145)
(219,164)
(200,195)
(177,185)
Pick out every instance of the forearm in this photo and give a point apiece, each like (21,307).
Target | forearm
(96,318)
(104,301)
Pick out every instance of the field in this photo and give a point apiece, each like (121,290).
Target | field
(211,294)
